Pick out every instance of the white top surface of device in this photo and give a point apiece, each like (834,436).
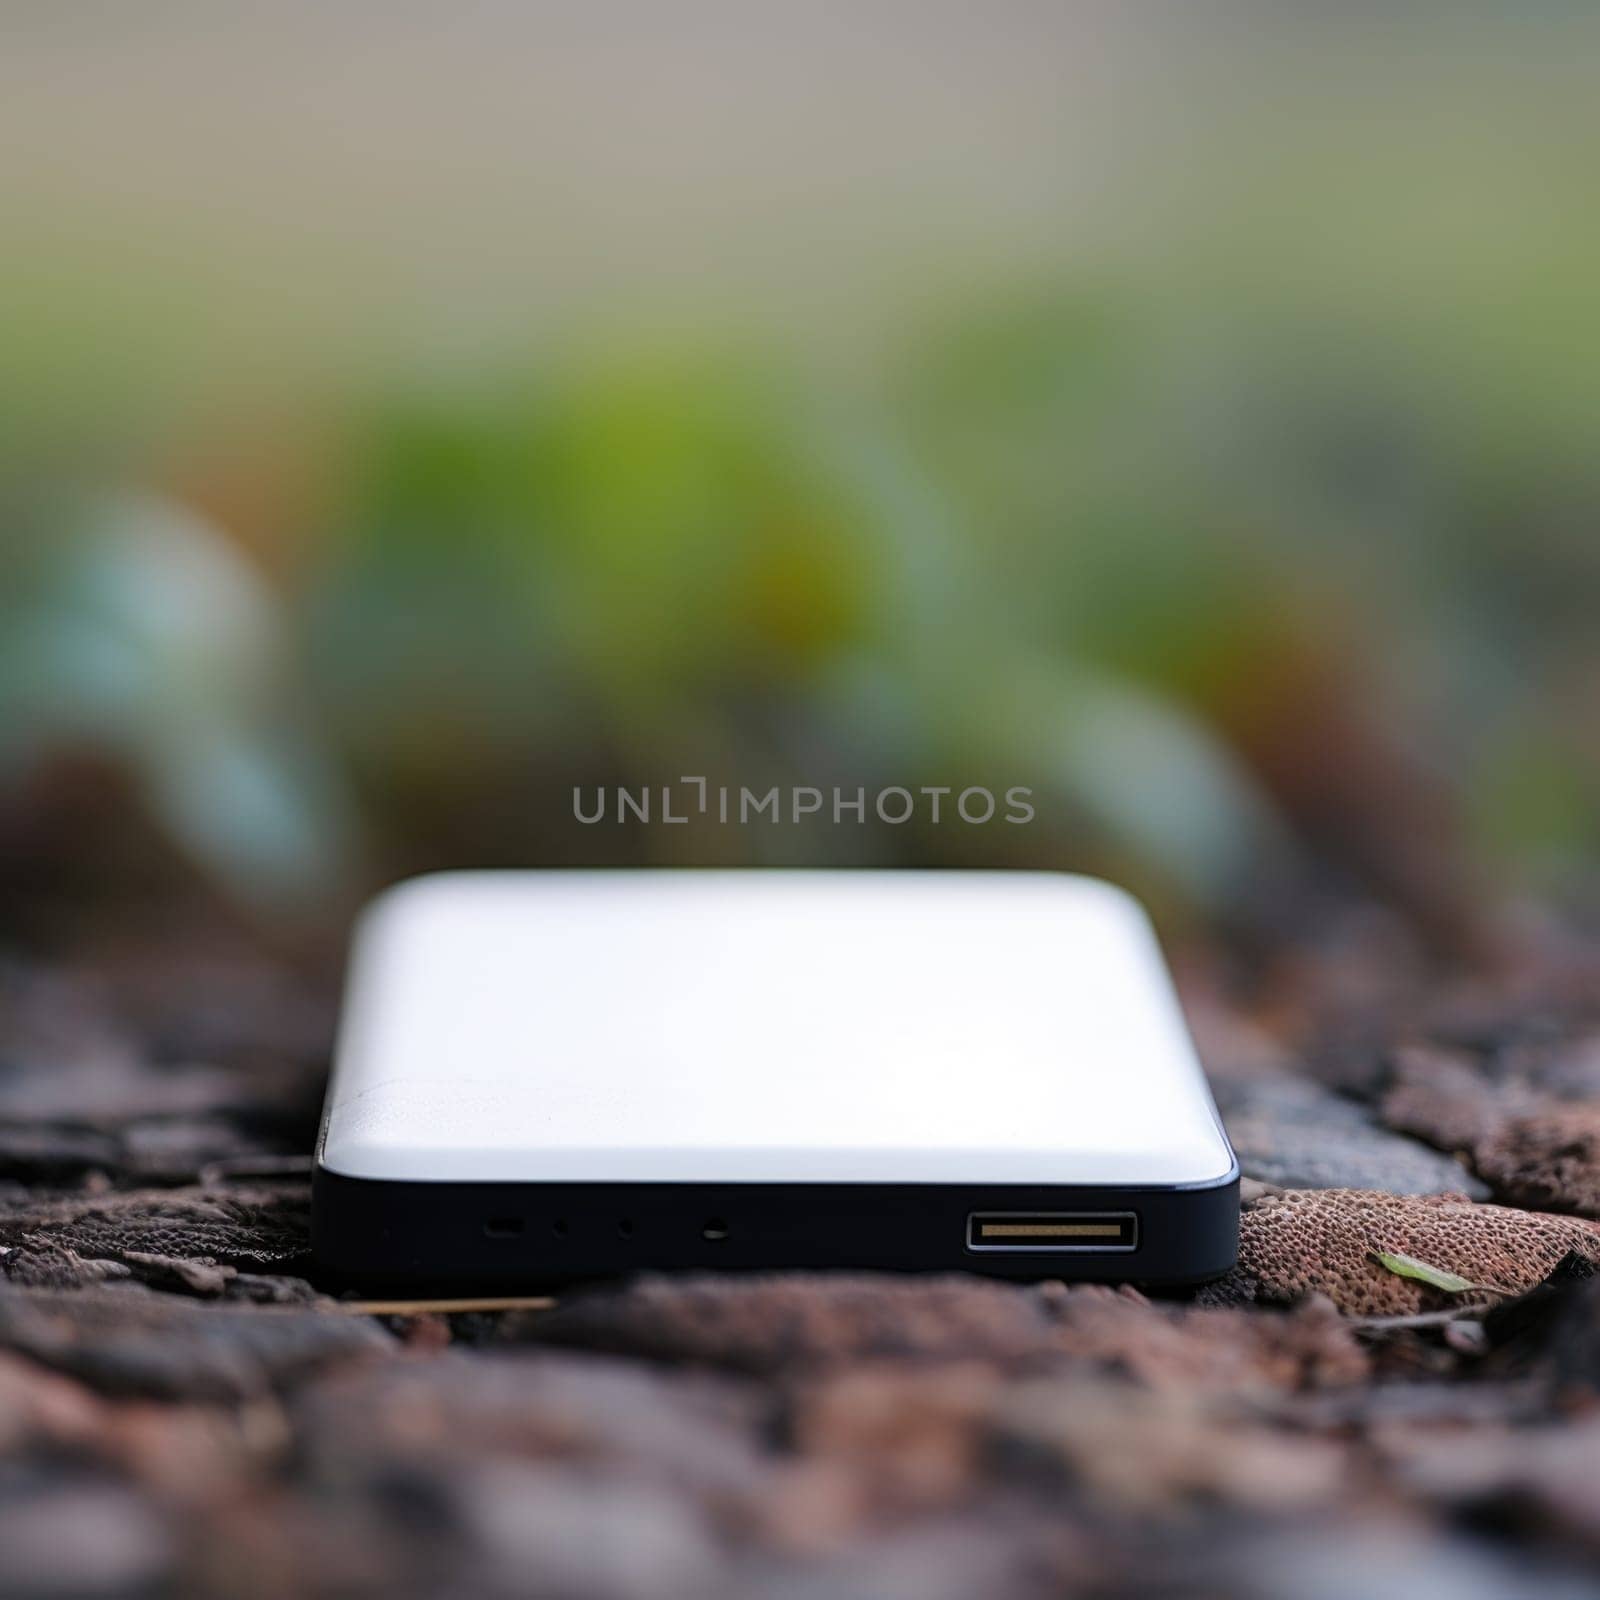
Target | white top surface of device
(766,1027)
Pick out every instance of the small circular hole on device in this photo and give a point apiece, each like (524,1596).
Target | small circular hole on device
(625,1228)
(716,1228)
(559,1227)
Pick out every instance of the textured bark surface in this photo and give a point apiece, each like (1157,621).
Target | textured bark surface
(183,1404)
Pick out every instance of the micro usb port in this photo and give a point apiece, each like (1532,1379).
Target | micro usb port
(1053,1232)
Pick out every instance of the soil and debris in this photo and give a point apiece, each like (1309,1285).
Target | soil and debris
(1397,1392)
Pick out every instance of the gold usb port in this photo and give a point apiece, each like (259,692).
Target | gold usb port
(1053,1231)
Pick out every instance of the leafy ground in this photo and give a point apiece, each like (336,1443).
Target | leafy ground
(1398,1392)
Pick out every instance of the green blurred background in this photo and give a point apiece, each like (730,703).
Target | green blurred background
(1187,411)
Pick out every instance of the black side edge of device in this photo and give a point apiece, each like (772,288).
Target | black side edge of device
(374,1234)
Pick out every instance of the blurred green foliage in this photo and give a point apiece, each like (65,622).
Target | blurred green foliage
(1262,541)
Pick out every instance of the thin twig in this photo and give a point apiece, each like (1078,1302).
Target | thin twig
(1422,1319)
(424,1308)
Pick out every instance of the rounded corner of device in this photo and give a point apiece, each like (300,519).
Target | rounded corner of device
(1084,886)
(406,892)
(1227,1178)
(333,1174)
(1116,895)
(353,1159)
(324,1168)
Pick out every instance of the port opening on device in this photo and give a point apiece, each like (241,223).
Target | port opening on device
(1053,1232)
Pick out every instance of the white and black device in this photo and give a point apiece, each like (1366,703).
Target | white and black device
(545,1076)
